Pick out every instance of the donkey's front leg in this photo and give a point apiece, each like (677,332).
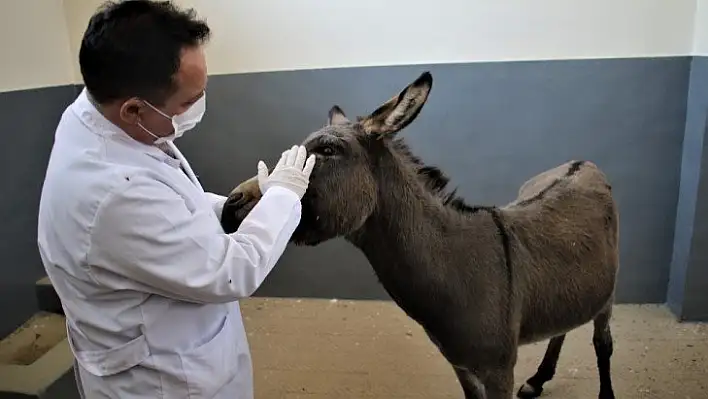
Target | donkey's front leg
(499,382)
(472,386)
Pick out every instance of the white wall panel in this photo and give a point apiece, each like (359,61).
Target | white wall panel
(286,34)
(34,44)
(270,35)
(700,38)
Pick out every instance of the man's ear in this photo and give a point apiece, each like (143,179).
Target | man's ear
(399,111)
(131,110)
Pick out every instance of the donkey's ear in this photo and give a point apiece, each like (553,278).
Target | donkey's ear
(400,110)
(336,116)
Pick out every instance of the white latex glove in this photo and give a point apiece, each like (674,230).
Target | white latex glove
(291,172)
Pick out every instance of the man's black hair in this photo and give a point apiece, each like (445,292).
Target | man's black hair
(132,48)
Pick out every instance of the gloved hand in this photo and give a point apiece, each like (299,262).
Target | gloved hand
(291,172)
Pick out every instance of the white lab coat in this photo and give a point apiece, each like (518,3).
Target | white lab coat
(147,278)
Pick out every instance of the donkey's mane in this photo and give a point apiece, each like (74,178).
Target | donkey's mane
(432,178)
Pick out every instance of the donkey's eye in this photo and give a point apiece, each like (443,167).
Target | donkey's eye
(326,150)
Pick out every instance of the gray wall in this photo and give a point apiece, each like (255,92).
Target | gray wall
(688,287)
(29,118)
(489,125)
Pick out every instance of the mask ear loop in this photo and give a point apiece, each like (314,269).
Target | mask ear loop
(158,139)
(157,110)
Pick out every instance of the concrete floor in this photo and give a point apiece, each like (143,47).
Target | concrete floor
(312,349)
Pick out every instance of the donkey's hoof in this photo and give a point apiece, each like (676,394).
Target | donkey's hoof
(606,394)
(528,392)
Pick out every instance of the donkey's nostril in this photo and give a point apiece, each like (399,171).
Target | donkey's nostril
(235,198)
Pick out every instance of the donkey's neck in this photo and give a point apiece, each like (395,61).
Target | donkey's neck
(410,234)
(406,213)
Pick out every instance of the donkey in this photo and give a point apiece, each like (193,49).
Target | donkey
(480,280)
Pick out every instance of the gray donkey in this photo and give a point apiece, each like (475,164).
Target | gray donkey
(480,280)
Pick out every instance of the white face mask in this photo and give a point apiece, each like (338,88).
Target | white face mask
(182,122)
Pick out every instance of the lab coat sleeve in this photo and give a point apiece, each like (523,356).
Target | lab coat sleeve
(145,238)
(217,203)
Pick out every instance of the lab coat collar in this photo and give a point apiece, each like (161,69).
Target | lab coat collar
(100,125)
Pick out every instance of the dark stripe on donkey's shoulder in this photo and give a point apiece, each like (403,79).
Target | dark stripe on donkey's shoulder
(505,241)
(574,168)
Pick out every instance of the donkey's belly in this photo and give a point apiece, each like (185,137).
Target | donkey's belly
(547,316)
(533,332)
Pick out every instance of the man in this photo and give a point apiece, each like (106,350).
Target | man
(133,245)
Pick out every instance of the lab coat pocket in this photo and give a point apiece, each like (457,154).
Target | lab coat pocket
(211,365)
(103,363)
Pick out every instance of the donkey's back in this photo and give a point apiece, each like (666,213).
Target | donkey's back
(565,228)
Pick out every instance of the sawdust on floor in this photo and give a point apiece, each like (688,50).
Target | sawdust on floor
(305,348)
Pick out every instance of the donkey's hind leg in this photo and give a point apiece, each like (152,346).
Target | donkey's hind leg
(602,341)
(546,370)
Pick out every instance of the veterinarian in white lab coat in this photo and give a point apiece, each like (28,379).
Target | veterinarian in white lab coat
(131,242)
